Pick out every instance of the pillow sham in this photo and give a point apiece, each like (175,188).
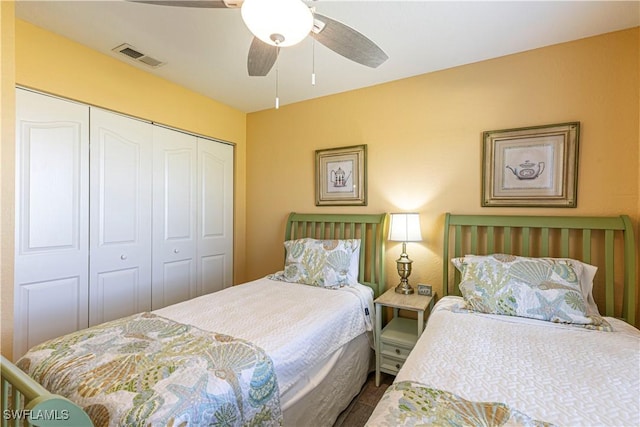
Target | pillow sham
(325,263)
(538,288)
(586,273)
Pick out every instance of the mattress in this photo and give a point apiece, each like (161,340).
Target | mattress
(564,375)
(300,327)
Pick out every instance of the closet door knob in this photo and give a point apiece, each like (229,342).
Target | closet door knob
(123,257)
(175,251)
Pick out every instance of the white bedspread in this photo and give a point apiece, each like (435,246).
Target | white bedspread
(297,325)
(559,374)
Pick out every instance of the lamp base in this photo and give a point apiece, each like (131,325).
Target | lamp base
(404,271)
(404,288)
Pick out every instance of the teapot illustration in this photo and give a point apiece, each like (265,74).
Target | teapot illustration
(339,177)
(528,170)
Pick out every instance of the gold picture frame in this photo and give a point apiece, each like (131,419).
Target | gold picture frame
(341,176)
(531,167)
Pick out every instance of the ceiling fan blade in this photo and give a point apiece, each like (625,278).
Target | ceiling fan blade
(347,42)
(261,57)
(192,3)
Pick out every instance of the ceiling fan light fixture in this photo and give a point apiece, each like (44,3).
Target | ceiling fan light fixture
(277,22)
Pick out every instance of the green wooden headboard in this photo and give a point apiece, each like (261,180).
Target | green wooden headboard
(369,228)
(606,242)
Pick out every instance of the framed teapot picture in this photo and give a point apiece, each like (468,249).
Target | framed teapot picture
(341,176)
(533,167)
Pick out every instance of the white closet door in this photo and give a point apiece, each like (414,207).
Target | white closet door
(51,240)
(215,216)
(120,216)
(174,217)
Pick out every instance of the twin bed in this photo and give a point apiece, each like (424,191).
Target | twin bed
(488,359)
(267,352)
(274,352)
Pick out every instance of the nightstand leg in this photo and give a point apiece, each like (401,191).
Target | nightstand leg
(420,322)
(377,341)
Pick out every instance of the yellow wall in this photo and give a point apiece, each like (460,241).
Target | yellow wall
(7,172)
(424,142)
(53,64)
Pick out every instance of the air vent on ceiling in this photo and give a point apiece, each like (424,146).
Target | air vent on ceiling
(133,53)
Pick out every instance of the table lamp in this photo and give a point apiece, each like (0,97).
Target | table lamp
(405,227)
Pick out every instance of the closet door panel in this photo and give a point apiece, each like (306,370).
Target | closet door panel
(175,275)
(213,275)
(62,315)
(215,216)
(120,203)
(117,292)
(45,204)
(174,217)
(51,230)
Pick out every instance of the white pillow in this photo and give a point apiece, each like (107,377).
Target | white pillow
(586,284)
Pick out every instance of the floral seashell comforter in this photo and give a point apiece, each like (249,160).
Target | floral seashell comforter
(148,370)
(413,404)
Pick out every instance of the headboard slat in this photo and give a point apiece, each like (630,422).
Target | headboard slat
(586,246)
(506,239)
(609,272)
(374,231)
(458,247)
(593,240)
(564,238)
(526,241)
(544,245)
(491,240)
(474,238)
(628,311)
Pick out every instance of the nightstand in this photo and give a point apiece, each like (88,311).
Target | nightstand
(399,336)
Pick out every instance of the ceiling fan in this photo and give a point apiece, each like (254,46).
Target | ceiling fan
(281,23)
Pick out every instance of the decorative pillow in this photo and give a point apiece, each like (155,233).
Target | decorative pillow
(586,280)
(539,288)
(326,263)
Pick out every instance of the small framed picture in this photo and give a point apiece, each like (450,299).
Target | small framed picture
(533,167)
(341,176)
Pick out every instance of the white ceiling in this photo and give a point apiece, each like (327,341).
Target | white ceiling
(205,49)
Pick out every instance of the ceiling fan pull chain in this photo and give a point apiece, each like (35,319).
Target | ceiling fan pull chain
(277,98)
(277,69)
(313,62)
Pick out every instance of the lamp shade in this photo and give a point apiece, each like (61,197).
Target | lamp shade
(405,227)
(277,22)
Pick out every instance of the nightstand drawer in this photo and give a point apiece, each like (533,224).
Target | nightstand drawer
(400,331)
(390,365)
(394,350)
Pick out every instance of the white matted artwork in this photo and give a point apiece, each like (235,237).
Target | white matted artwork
(535,166)
(341,176)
